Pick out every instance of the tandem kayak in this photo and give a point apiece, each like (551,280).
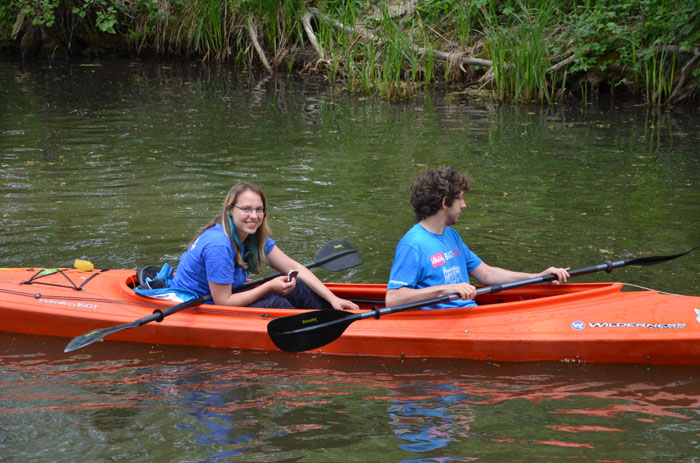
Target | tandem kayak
(578,322)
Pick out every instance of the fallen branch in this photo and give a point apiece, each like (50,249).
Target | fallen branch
(562,63)
(463,60)
(256,44)
(676,95)
(680,50)
(18,25)
(306,21)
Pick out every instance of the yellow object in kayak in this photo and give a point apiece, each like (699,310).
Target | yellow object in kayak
(83,265)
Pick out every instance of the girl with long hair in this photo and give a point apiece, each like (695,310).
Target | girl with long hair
(235,244)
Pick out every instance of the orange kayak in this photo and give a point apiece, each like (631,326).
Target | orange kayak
(596,322)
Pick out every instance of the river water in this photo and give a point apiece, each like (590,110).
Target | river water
(121,162)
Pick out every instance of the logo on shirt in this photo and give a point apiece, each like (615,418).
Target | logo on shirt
(442,257)
(450,255)
(437,259)
(452,275)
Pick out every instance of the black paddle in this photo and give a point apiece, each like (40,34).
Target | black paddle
(314,329)
(335,256)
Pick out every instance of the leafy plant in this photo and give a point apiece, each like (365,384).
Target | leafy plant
(40,11)
(536,48)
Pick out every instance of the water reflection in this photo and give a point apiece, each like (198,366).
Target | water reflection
(224,405)
(439,415)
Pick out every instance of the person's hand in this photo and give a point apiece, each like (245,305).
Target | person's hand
(465,290)
(562,274)
(280,285)
(343,304)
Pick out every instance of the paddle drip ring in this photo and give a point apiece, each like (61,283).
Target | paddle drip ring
(609,266)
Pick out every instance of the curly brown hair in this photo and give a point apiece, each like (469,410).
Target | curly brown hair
(434,185)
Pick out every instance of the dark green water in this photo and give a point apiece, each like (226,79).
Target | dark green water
(120,163)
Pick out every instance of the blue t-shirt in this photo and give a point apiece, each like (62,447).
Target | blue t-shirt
(425,259)
(211,258)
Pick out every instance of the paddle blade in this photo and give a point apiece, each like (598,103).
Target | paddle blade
(93,336)
(651,260)
(338,255)
(308,330)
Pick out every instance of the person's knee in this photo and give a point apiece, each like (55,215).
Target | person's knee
(303,297)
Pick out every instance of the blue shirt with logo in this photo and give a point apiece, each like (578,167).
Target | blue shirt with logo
(211,258)
(424,259)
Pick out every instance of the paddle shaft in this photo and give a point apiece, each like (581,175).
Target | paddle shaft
(607,266)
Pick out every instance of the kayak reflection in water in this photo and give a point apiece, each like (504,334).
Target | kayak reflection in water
(235,244)
(431,259)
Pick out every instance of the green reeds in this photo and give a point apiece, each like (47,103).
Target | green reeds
(520,58)
(462,19)
(381,62)
(428,66)
(659,75)
(367,72)
(399,60)
(207,34)
(401,46)
(519,66)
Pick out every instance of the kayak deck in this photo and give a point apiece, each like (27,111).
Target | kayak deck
(571,322)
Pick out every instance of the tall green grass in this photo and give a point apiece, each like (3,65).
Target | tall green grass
(659,75)
(208,27)
(520,57)
(375,50)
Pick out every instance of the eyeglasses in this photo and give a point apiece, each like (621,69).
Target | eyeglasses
(249,210)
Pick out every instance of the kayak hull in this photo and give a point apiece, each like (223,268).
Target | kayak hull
(583,322)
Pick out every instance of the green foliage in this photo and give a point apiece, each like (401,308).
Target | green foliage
(149,9)
(670,22)
(105,14)
(536,47)
(207,32)
(457,17)
(521,55)
(633,33)
(659,77)
(41,12)
(343,9)
(8,13)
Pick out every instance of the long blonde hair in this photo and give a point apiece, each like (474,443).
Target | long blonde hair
(255,244)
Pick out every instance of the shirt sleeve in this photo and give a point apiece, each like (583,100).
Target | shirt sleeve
(269,244)
(406,268)
(472,261)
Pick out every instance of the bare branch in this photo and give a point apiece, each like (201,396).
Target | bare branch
(676,95)
(18,25)
(306,21)
(256,44)
(680,50)
(562,63)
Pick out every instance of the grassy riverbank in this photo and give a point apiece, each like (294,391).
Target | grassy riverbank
(509,50)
